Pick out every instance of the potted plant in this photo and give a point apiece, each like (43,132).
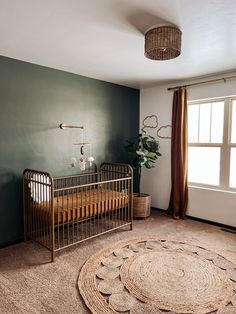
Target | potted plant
(144,151)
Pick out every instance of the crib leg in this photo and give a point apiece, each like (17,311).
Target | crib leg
(131,226)
(52,256)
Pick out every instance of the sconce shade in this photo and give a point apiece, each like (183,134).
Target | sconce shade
(163,42)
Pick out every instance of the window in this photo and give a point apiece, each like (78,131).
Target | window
(232,181)
(212,143)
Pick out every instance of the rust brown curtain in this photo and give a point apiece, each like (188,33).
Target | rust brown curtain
(179,156)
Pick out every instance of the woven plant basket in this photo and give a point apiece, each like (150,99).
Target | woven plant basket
(141,205)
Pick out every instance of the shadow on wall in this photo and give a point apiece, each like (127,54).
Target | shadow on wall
(11,206)
(115,152)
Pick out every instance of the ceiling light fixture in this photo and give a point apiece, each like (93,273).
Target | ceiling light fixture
(162,42)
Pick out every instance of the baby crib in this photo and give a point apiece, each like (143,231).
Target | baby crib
(63,211)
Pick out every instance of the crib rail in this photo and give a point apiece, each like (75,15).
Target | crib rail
(38,186)
(60,212)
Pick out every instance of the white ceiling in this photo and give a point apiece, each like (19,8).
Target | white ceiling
(104,39)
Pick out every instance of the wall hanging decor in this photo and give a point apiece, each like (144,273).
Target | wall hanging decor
(164,132)
(150,122)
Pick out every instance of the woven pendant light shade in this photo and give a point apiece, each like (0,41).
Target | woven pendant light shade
(163,42)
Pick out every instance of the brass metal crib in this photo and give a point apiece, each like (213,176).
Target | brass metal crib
(63,211)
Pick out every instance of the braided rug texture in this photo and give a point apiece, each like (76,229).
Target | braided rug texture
(152,275)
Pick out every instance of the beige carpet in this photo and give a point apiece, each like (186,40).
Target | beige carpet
(169,275)
(30,284)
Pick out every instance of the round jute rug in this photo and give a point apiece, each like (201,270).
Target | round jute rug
(150,275)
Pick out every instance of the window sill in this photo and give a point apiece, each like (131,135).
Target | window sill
(214,189)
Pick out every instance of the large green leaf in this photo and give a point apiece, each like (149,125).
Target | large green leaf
(143,150)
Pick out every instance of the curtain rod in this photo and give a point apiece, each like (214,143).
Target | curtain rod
(203,82)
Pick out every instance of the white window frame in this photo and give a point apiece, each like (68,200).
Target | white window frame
(225,146)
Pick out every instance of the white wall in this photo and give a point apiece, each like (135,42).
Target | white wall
(218,206)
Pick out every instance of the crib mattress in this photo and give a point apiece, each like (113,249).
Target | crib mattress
(84,204)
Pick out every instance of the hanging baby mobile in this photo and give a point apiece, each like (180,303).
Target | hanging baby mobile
(84,161)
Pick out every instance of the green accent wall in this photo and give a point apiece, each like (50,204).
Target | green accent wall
(34,100)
